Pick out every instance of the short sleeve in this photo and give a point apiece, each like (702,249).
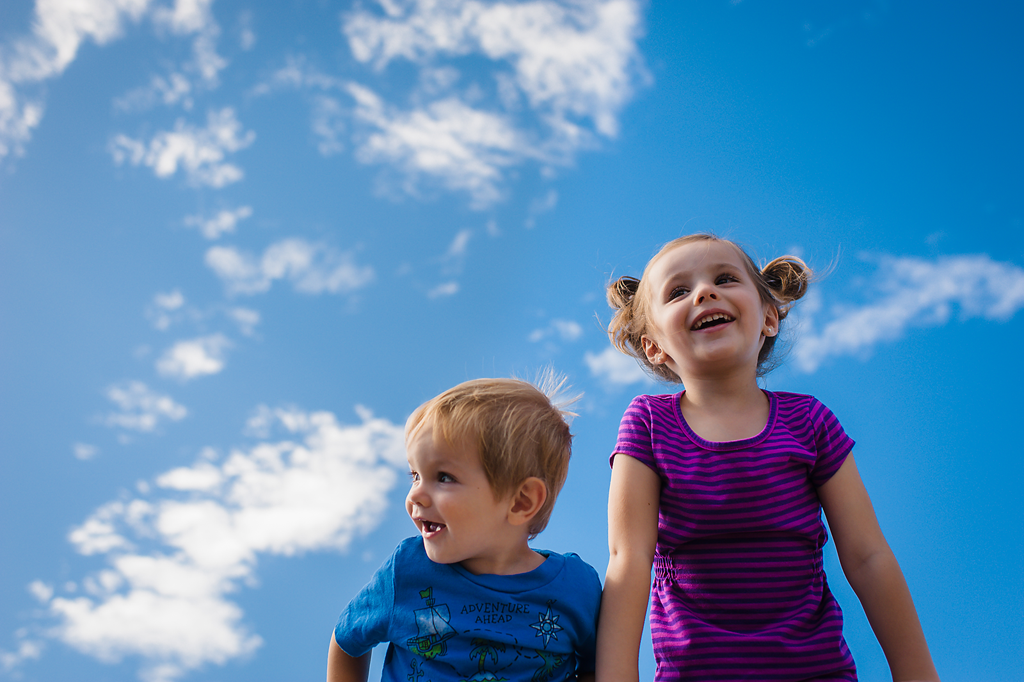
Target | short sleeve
(831,443)
(635,431)
(587,589)
(366,620)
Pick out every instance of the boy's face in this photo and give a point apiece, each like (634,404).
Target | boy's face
(455,509)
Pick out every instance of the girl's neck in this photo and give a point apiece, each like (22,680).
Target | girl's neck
(725,408)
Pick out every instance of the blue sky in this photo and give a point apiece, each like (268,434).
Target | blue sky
(241,242)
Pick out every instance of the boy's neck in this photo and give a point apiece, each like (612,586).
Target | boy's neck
(518,559)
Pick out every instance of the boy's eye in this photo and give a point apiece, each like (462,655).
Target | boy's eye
(443,477)
(413,476)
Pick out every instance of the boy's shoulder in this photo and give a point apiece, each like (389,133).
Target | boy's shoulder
(566,570)
(573,572)
(572,563)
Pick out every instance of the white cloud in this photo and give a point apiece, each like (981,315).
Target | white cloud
(459,244)
(246,319)
(169,301)
(200,73)
(206,527)
(165,309)
(541,205)
(550,200)
(910,292)
(141,408)
(187,16)
(40,590)
(311,268)
(200,152)
(296,73)
(568,59)
(466,149)
(58,30)
(451,263)
(246,32)
(612,367)
(556,74)
(573,64)
(174,88)
(194,358)
(444,289)
(328,123)
(84,451)
(565,330)
(28,650)
(221,223)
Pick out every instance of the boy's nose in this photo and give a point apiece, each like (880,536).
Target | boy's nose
(417,497)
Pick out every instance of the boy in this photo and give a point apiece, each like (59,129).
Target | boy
(469,600)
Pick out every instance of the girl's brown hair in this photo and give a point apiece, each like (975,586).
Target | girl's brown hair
(780,283)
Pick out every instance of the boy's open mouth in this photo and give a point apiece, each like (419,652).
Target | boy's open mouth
(712,320)
(431,527)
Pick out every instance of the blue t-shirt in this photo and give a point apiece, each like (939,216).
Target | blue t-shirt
(446,624)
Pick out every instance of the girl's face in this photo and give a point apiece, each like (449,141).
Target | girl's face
(705,311)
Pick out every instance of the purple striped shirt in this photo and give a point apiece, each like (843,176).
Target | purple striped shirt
(739,590)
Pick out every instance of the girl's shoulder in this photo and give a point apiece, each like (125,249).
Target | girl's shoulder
(655,406)
(802,407)
(785,398)
(656,399)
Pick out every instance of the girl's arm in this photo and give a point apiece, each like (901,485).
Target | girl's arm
(344,668)
(874,575)
(632,535)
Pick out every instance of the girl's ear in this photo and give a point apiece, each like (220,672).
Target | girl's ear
(652,350)
(771,321)
(527,501)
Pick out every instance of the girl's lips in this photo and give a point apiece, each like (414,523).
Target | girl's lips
(711,319)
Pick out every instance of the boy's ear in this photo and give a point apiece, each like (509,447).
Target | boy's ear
(527,501)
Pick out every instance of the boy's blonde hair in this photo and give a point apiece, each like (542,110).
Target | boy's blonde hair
(516,428)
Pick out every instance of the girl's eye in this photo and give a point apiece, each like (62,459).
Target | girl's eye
(677,292)
(723,279)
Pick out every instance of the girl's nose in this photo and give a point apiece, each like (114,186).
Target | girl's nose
(704,293)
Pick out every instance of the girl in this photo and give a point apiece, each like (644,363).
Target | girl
(721,487)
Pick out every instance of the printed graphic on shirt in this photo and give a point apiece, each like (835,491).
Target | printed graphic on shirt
(547,625)
(483,650)
(417,671)
(494,612)
(488,660)
(434,625)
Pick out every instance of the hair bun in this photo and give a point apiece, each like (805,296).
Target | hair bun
(622,291)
